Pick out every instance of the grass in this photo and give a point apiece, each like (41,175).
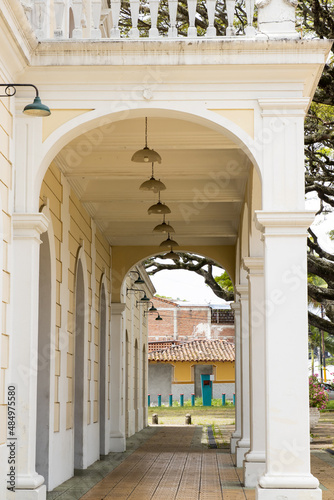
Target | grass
(200,415)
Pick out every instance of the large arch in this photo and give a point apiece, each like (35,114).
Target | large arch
(46,351)
(104,358)
(80,357)
(99,117)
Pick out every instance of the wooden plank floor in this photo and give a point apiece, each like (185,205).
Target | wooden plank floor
(169,467)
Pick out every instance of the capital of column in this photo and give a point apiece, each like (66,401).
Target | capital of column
(287,107)
(283,223)
(29,226)
(242,291)
(253,265)
(235,306)
(117,307)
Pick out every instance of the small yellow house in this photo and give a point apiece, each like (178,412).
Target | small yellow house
(177,369)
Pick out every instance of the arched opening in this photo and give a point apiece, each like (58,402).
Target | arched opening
(135,385)
(43,376)
(144,385)
(79,364)
(103,372)
(127,357)
(71,24)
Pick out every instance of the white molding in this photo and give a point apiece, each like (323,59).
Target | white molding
(117,308)
(29,225)
(253,265)
(283,223)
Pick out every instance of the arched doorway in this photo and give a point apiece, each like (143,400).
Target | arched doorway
(103,365)
(135,385)
(127,357)
(79,363)
(43,376)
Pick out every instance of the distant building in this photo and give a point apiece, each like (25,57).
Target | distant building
(177,369)
(184,321)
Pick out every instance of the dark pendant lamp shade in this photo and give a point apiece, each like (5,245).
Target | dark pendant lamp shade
(146,155)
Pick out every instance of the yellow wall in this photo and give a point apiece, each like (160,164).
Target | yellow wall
(224,371)
(81,231)
(6,130)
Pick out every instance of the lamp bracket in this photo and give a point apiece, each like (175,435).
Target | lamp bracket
(10,88)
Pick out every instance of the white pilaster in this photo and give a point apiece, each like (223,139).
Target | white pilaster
(27,229)
(237,433)
(117,417)
(287,414)
(255,460)
(243,444)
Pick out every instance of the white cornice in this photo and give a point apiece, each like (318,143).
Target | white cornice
(180,51)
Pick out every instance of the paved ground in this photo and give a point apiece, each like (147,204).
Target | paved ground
(175,463)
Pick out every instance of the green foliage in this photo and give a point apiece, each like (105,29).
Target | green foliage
(225,282)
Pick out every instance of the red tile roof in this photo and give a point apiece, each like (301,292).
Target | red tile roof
(196,350)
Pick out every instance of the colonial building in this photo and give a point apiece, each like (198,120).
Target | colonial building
(184,321)
(225,116)
(177,369)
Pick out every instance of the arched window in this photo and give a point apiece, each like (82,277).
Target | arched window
(79,363)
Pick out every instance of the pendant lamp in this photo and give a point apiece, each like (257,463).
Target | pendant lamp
(171,255)
(168,243)
(152,184)
(164,227)
(146,155)
(159,208)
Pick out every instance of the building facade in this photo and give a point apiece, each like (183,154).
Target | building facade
(227,116)
(183,322)
(177,370)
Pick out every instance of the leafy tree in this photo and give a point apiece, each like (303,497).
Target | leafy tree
(316,20)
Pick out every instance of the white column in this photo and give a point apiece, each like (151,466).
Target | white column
(117,369)
(243,444)
(27,229)
(255,459)
(286,369)
(237,433)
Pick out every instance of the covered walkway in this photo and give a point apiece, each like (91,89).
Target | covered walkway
(169,463)
(175,463)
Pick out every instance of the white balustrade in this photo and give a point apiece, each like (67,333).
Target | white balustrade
(192,30)
(211,8)
(96,6)
(172,7)
(134,6)
(250,30)
(230,8)
(154,8)
(59,10)
(77,9)
(92,17)
(115,11)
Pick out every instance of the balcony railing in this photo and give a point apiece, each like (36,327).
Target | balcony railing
(93,19)
(114,19)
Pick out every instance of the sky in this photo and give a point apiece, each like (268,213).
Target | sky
(186,285)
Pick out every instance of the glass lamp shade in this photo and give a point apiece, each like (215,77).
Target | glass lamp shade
(146,155)
(37,108)
(169,243)
(159,209)
(171,255)
(164,228)
(152,185)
